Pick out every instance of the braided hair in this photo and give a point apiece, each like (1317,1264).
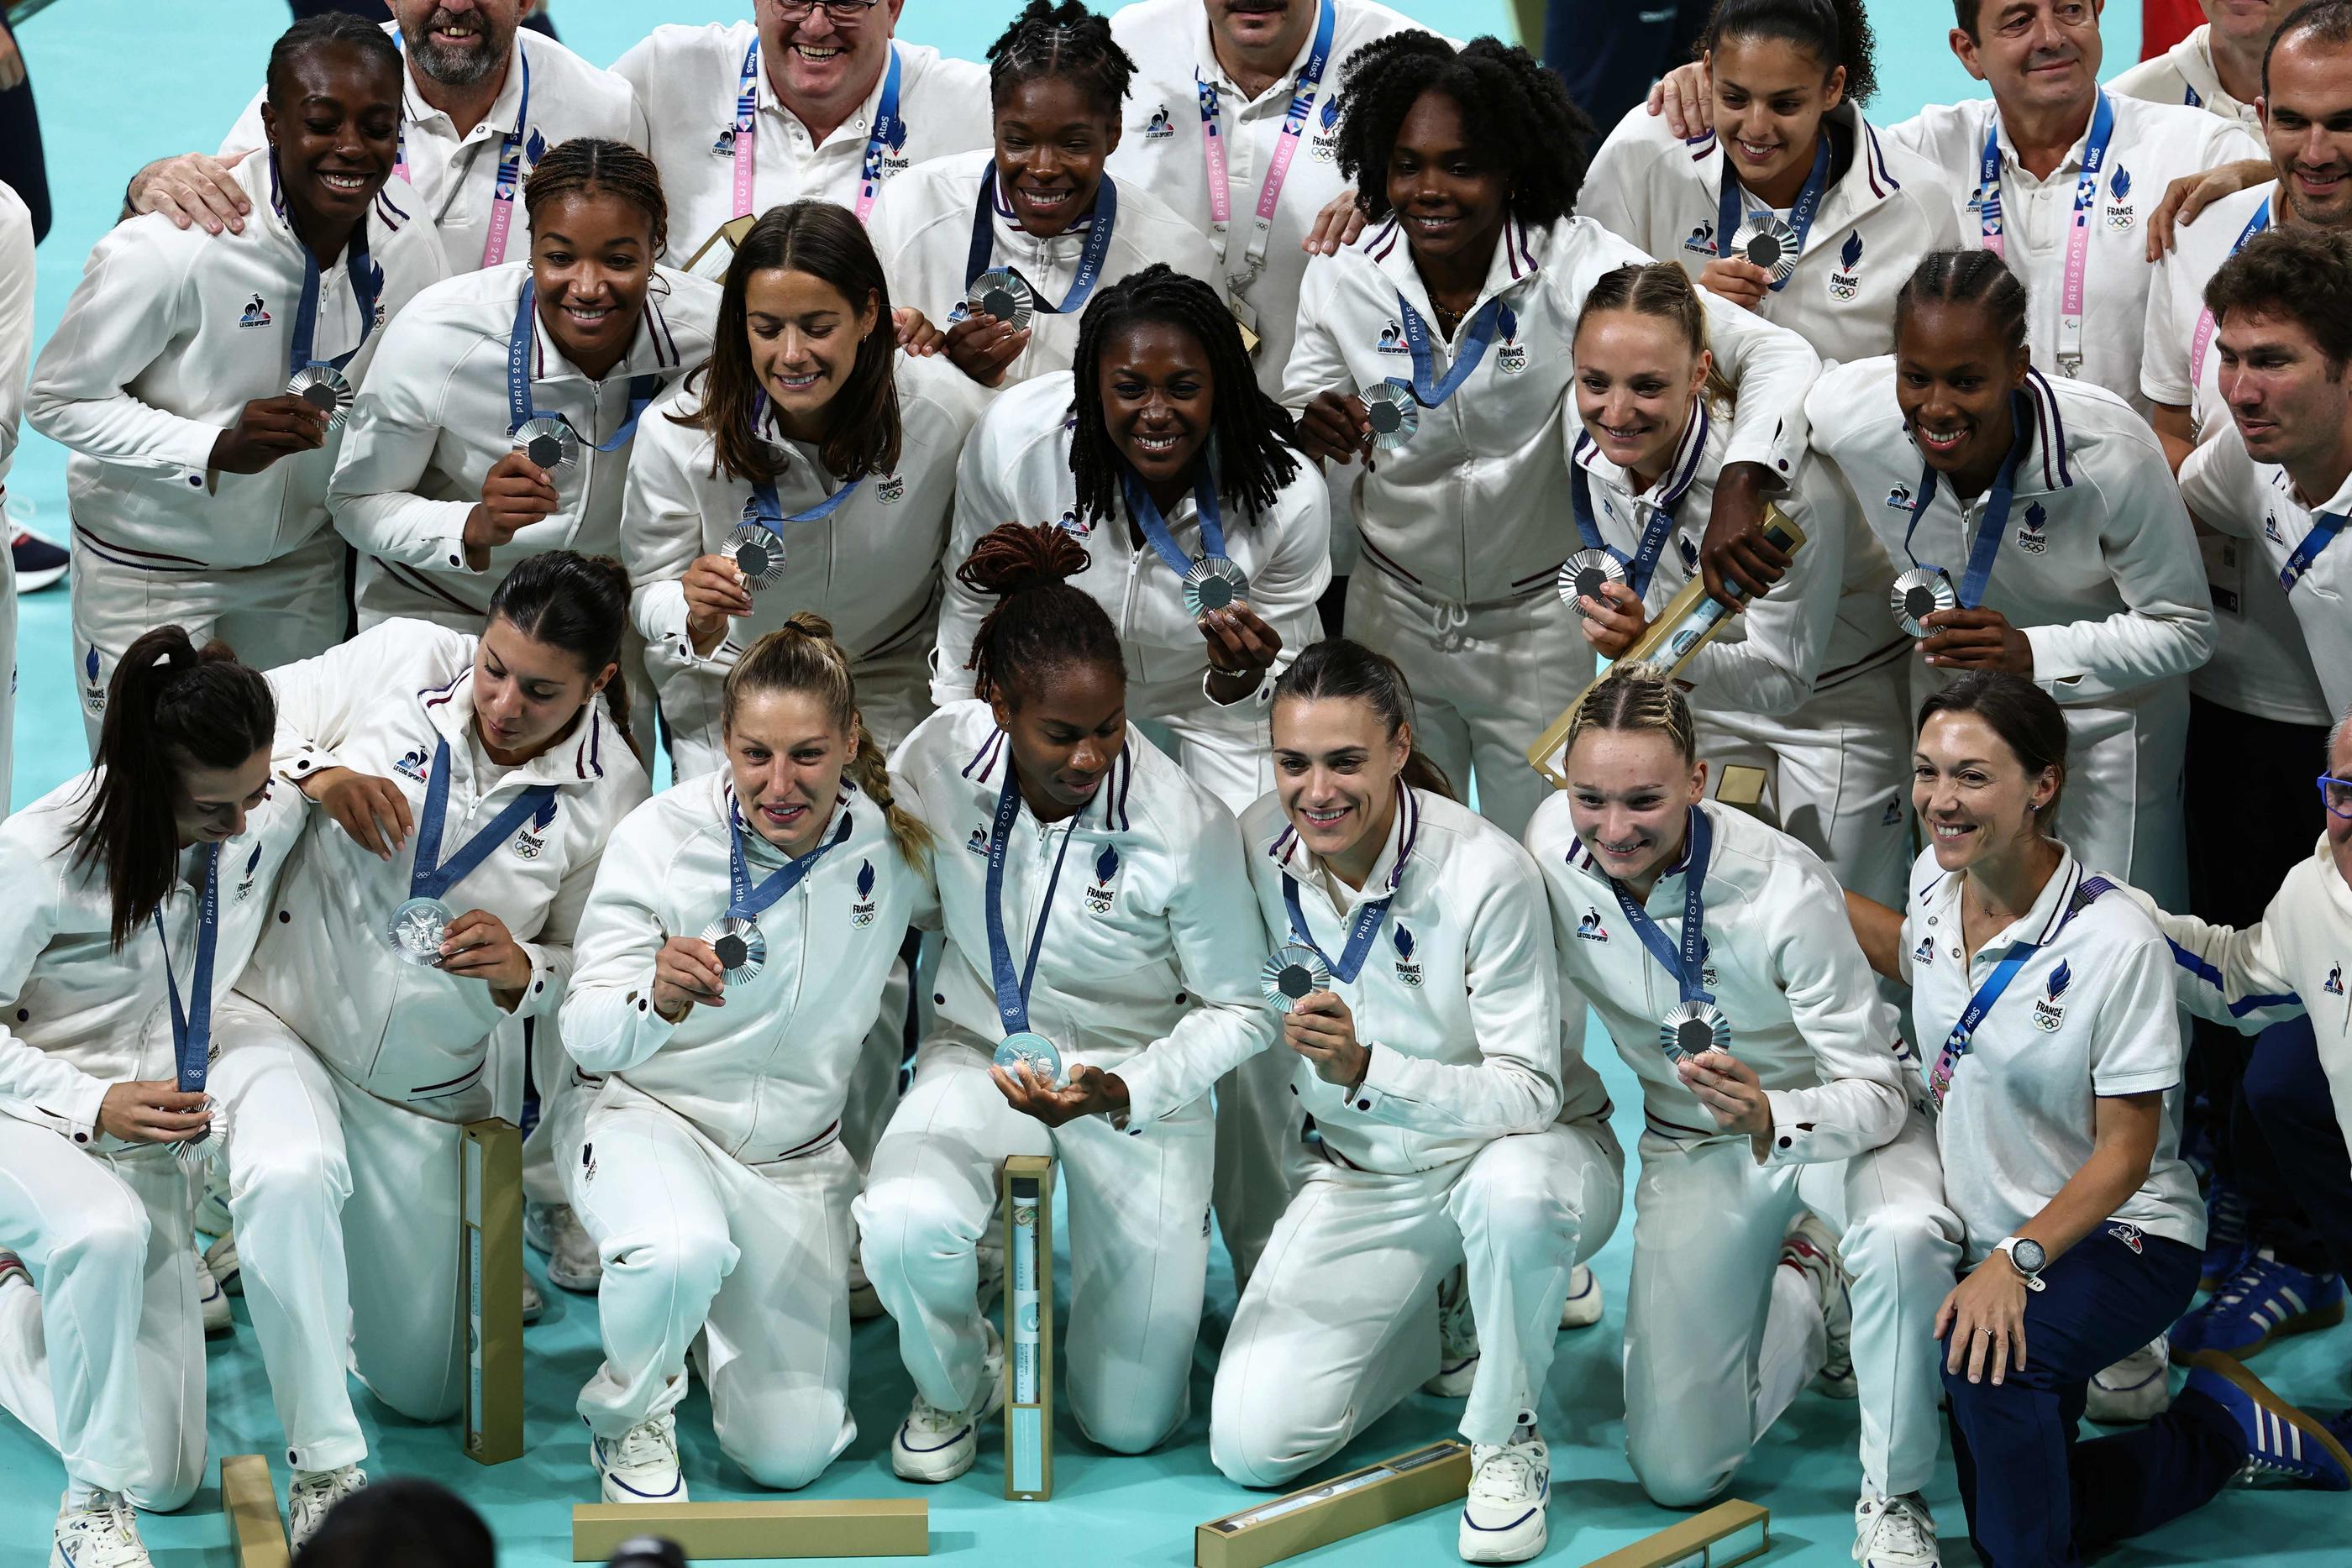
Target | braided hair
(1517,111)
(1251,436)
(591,163)
(329,29)
(1968,277)
(1638,698)
(1039,620)
(1064,40)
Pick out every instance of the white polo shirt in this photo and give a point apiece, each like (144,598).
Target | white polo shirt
(2258,503)
(2153,145)
(457,176)
(2184,74)
(687,80)
(2089,1014)
(1885,208)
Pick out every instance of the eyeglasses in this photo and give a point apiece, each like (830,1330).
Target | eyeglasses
(2335,794)
(841,12)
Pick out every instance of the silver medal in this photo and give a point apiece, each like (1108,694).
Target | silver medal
(1584,574)
(417,930)
(1035,1049)
(207,1145)
(549,441)
(758,554)
(1003,294)
(1393,412)
(324,388)
(1768,243)
(1213,583)
(1292,974)
(1919,593)
(743,951)
(1693,1029)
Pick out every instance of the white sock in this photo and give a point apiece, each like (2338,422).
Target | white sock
(1796,1343)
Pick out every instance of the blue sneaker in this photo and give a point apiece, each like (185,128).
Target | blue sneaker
(2226,1242)
(39,561)
(2283,1446)
(2265,1301)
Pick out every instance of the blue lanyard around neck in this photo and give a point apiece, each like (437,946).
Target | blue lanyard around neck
(1688,964)
(1430,393)
(885,122)
(1963,1033)
(1090,258)
(431,877)
(745,902)
(1155,527)
(1995,522)
(1012,992)
(362,272)
(519,339)
(1642,564)
(192,1031)
(2325,526)
(1801,217)
(1370,914)
(769,512)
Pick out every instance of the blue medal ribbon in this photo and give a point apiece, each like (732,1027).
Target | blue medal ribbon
(1995,522)
(1090,260)
(1687,964)
(769,512)
(1431,393)
(1155,529)
(1955,1044)
(427,879)
(192,1031)
(885,121)
(1012,992)
(1372,913)
(299,356)
(642,389)
(1801,217)
(745,902)
(2323,529)
(1642,564)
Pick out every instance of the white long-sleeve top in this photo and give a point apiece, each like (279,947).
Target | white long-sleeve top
(2184,74)
(687,80)
(1783,968)
(1016,468)
(434,420)
(1152,946)
(457,176)
(871,566)
(2099,569)
(1473,509)
(767,1074)
(16,318)
(922,228)
(1823,623)
(380,704)
(1458,996)
(169,334)
(78,1017)
(1883,209)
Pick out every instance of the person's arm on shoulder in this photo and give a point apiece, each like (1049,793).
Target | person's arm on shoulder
(2234,976)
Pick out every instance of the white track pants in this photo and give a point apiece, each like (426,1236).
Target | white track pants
(747,1266)
(106,1362)
(1261,1155)
(1710,1364)
(1339,1321)
(1139,1242)
(1228,751)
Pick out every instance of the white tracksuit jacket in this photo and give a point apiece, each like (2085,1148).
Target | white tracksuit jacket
(380,704)
(457,176)
(1786,972)
(2184,74)
(434,420)
(922,227)
(1149,964)
(171,333)
(1885,208)
(766,1075)
(686,79)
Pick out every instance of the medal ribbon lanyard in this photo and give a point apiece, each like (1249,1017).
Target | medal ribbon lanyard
(1955,1044)
(1293,126)
(509,180)
(1995,522)
(2078,233)
(1431,393)
(1642,564)
(745,902)
(192,1031)
(1801,217)
(1011,993)
(885,122)
(427,879)
(2325,526)
(1688,965)
(1372,913)
(769,512)
(1090,258)
(1155,527)
(746,144)
(301,354)
(2205,322)
(642,389)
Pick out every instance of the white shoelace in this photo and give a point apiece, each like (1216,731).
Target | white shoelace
(1902,1527)
(645,1447)
(1500,1474)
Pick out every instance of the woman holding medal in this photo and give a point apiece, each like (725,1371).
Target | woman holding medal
(808,466)
(137,891)
(1006,246)
(750,907)
(1775,1083)
(468,784)
(2038,531)
(1421,1011)
(1099,975)
(200,469)
(1469,162)
(2052,995)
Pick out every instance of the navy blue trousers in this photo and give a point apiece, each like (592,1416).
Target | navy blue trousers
(2292,1164)
(23,167)
(2035,1497)
(1610,51)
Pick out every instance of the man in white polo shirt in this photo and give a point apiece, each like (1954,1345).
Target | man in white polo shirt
(812,97)
(2218,66)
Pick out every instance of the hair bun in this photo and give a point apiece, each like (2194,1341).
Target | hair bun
(1014,558)
(808,623)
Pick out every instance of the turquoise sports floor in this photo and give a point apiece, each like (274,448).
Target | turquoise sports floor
(121,80)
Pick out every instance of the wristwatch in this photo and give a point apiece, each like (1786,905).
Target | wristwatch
(2027,1257)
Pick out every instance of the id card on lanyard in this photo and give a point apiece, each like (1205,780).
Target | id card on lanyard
(2072,290)
(1286,148)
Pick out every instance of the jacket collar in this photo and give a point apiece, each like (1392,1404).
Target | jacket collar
(1519,257)
(577,759)
(995,752)
(653,351)
(1290,852)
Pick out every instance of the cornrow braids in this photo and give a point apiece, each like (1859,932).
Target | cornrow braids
(1834,31)
(1968,277)
(1516,109)
(1251,436)
(1635,696)
(587,164)
(1064,40)
(1040,620)
(329,29)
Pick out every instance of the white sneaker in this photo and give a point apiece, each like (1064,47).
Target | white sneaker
(641,1464)
(1510,1485)
(218,1324)
(934,1445)
(1894,1532)
(221,1259)
(2135,1389)
(212,1208)
(533,1303)
(103,1536)
(572,1259)
(1584,1306)
(1457,1337)
(864,1305)
(1812,1251)
(314,1495)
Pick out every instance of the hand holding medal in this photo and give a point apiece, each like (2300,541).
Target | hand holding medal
(1322,1028)
(687,975)
(1028,1086)
(1729,1090)
(715,594)
(516,493)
